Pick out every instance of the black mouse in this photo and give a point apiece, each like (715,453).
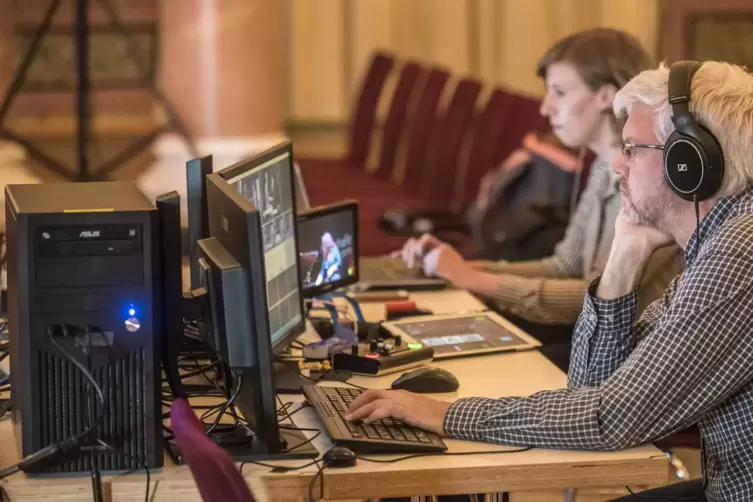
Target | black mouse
(427,381)
(339,456)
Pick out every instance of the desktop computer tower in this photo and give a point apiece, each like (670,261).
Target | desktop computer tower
(83,268)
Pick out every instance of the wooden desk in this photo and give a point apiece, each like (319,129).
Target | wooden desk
(520,373)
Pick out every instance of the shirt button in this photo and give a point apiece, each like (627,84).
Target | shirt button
(609,317)
(592,317)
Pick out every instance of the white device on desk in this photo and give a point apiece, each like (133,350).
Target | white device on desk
(456,335)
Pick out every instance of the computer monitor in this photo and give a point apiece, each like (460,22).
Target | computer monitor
(328,248)
(238,323)
(266,181)
(198,220)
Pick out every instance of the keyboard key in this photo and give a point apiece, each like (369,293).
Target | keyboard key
(421,435)
(371,433)
(395,433)
(409,435)
(383,432)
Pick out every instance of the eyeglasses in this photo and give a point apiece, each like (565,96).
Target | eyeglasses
(628,149)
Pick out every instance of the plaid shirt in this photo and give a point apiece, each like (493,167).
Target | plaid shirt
(688,359)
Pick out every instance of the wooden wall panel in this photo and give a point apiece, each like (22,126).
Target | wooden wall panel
(317,81)
(329,42)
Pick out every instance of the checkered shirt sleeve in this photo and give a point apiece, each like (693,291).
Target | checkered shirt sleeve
(630,385)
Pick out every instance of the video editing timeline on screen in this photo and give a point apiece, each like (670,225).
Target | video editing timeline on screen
(326,249)
(268,187)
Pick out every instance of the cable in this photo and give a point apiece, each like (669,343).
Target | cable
(143,464)
(319,473)
(697,226)
(277,468)
(94,384)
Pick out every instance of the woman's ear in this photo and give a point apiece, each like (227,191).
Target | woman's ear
(605,96)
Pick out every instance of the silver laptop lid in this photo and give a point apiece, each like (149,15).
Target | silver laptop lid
(301,195)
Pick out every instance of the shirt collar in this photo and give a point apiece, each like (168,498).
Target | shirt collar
(713,220)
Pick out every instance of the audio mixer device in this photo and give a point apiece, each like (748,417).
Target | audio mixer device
(370,350)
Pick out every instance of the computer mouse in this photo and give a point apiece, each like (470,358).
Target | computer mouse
(339,456)
(427,381)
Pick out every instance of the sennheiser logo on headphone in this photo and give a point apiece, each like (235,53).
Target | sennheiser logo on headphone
(682,167)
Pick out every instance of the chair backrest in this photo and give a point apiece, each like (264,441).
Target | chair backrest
(421,128)
(441,170)
(523,117)
(483,144)
(216,475)
(395,122)
(365,109)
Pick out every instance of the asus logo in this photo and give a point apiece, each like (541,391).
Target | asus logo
(682,167)
(88,234)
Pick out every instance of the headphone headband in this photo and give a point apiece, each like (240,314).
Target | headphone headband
(680,81)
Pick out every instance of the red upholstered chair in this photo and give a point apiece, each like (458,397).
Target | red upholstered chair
(523,117)
(487,134)
(443,160)
(435,179)
(422,127)
(331,183)
(364,115)
(217,477)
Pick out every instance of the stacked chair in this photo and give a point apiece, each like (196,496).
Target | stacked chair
(430,157)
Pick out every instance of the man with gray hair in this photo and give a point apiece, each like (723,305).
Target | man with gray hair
(687,177)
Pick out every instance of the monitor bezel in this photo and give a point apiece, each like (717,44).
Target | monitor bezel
(241,167)
(323,211)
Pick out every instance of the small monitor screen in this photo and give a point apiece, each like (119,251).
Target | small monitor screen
(328,248)
(269,186)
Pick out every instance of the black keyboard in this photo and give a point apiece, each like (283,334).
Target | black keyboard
(382,436)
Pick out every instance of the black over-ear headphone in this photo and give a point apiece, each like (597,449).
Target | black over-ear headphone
(693,159)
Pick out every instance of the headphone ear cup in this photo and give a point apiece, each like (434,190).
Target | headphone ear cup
(685,164)
(714,167)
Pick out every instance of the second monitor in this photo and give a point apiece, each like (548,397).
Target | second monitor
(267,181)
(328,248)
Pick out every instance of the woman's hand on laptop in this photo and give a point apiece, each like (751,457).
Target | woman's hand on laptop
(445,262)
(415,249)
(414,409)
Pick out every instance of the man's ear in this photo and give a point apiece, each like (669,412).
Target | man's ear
(605,96)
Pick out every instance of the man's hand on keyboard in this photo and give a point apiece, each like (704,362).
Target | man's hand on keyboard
(413,409)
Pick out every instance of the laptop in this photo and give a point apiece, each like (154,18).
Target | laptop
(335,227)
(302,202)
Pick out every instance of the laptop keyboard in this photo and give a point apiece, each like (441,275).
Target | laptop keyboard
(387,269)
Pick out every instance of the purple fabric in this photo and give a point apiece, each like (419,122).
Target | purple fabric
(214,471)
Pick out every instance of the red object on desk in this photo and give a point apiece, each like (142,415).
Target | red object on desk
(400,306)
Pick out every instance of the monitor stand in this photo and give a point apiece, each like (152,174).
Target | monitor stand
(289,381)
(242,447)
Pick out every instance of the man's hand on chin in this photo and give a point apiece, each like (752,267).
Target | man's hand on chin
(414,409)
(628,232)
(632,248)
